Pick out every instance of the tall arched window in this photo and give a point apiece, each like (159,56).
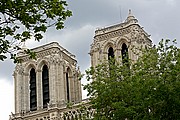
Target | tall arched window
(110,53)
(67,85)
(124,53)
(33,96)
(45,85)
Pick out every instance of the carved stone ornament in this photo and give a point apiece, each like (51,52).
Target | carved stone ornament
(119,32)
(19,69)
(55,59)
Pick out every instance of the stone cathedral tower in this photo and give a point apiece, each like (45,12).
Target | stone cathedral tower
(118,40)
(44,86)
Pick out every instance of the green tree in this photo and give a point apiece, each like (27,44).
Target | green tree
(21,20)
(149,90)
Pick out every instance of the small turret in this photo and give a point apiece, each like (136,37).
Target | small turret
(131,17)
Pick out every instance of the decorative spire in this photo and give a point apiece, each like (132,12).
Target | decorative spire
(129,12)
(130,16)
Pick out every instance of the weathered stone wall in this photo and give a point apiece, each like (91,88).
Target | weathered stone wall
(128,32)
(58,111)
(58,61)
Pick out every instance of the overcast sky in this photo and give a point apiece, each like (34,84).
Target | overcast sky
(160,19)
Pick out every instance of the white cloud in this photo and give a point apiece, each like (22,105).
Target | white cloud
(7,99)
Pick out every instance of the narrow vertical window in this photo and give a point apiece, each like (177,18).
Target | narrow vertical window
(111,60)
(67,85)
(110,53)
(124,53)
(33,96)
(45,85)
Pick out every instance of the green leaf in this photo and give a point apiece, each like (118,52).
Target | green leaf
(23,19)
(149,89)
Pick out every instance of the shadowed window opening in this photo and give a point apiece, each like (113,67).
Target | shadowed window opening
(110,53)
(33,96)
(124,53)
(45,85)
(67,85)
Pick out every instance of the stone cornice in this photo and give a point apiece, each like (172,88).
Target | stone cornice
(59,107)
(132,32)
(135,29)
(119,30)
(115,33)
(112,28)
(69,59)
(45,50)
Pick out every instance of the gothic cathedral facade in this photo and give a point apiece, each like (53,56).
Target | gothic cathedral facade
(44,86)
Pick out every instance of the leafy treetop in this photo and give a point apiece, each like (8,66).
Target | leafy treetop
(148,90)
(21,20)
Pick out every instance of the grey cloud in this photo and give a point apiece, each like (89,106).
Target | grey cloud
(76,41)
(160,18)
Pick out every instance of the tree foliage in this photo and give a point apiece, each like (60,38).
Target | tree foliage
(21,20)
(148,90)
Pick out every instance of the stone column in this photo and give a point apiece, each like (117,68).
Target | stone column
(16,78)
(18,93)
(78,90)
(65,85)
(76,87)
(120,58)
(58,82)
(55,82)
(95,58)
(62,83)
(26,92)
(92,62)
(39,89)
(52,78)
(71,83)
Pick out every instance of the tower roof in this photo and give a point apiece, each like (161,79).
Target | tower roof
(45,50)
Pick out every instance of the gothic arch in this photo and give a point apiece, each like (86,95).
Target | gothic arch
(45,85)
(107,45)
(68,82)
(43,72)
(120,42)
(69,70)
(33,91)
(69,67)
(29,66)
(41,63)
(30,78)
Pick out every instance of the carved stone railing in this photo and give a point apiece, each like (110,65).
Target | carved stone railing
(78,114)
(60,111)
